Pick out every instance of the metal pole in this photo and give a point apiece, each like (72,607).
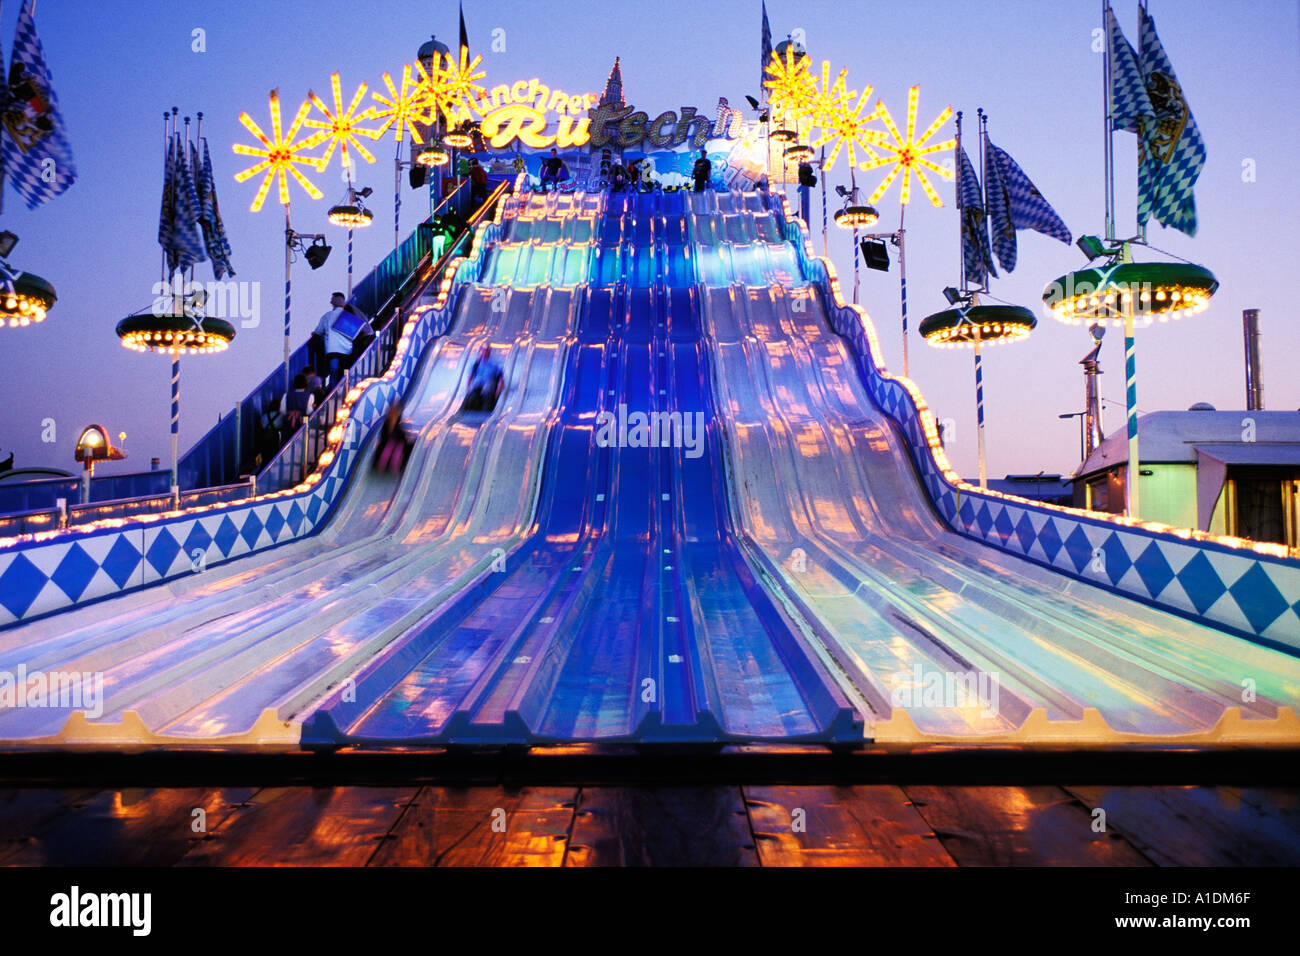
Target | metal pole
(1108,138)
(961,254)
(822,167)
(979,408)
(176,418)
(902,282)
(853,187)
(1130,383)
(397,196)
(1254,380)
(288,287)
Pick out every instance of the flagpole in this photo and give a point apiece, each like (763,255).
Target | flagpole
(979,409)
(984,193)
(961,254)
(1108,139)
(1142,6)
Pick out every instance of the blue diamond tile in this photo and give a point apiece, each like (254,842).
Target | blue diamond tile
(19,585)
(1201,582)
(966,513)
(74,572)
(295,517)
(121,561)
(1258,598)
(163,552)
(226,536)
(274,523)
(1025,532)
(197,540)
(1079,548)
(1003,526)
(1153,569)
(984,520)
(1117,560)
(313,508)
(1050,539)
(252,529)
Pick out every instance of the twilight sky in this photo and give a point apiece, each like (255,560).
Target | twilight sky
(118,64)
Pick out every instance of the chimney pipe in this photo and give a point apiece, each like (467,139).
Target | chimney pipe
(1092,427)
(1254,383)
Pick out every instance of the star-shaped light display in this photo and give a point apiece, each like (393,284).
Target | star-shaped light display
(342,127)
(280,156)
(405,107)
(908,153)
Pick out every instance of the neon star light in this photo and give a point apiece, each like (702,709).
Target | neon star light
(452,88)
(846,126)
(790,84)
(828,99)
(342,127)
(280,156)
(908,154)
(404,107)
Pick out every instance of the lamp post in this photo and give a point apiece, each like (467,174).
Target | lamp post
(1081,416)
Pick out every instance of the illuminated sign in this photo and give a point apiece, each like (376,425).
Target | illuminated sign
(521,112)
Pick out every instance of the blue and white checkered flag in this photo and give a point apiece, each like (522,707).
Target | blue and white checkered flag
(1130,106)
(167,209)
(186,235)
(1014,202)
(214,230)
(977,257)
(765,53)
(1174,149)
(37,156)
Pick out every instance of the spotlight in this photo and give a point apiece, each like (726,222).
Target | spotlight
(1091,247)
(7,242)
(843,191)
(875,254)
(753,103)
(952,295)
(364,193)
(316,253)
(806,175)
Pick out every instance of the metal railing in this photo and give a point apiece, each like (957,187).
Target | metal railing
(224,464)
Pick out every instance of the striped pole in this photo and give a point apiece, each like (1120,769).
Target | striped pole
(349,262)
(176,416)
(825,253)
(979,408)
(902,284)
(288,287)
(1130,396)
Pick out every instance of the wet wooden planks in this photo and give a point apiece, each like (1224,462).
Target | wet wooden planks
(1019,826)
(734,825)
(1202,826)
(841,826)
(481,826)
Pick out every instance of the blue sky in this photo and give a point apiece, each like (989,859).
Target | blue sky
(1030,64)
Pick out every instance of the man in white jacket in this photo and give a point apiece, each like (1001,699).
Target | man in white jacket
(337,329)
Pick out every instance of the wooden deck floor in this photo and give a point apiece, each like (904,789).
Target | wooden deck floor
(717,825)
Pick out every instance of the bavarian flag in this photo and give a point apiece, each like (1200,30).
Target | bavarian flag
(1172,148)
(37,156)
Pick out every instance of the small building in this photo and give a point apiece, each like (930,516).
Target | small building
(1233,473)
(1051,489)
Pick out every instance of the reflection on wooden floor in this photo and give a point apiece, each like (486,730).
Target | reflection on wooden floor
(866,825)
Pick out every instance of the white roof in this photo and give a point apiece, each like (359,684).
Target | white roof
(1173,436)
